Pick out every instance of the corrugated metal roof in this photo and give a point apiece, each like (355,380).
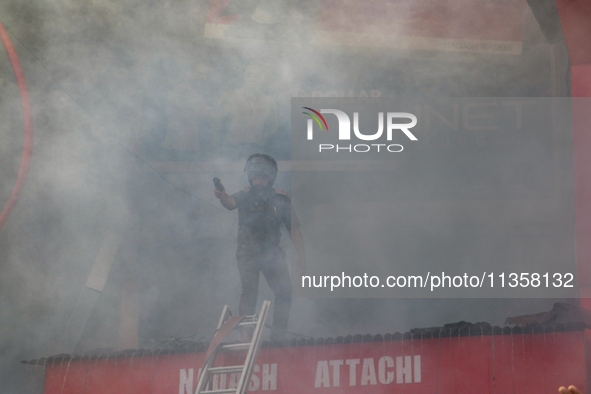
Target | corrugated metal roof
(460,329)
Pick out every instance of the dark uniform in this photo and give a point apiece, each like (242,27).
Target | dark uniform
(260,217)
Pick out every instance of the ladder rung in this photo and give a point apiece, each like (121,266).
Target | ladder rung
(234,347)
(249,320)
(219,391)
(234,368)
(247,323)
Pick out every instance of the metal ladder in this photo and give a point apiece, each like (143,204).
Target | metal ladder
(226,325)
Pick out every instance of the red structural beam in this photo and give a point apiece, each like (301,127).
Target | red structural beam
(575,17)
(28,126)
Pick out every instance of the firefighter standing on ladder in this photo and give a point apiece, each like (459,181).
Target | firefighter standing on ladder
(261,212)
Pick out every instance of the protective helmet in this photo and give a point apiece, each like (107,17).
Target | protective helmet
(261,163)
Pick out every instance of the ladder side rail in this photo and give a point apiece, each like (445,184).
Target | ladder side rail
(253,350)
(224,317)
(205,375)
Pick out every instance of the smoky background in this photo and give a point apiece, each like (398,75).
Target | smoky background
(486,187)
(132,104)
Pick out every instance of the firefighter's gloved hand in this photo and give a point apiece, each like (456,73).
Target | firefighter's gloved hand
(219,194)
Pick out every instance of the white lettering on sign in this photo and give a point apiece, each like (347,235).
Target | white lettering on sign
(368,375)
(352,371)
(322,377)
(408,370)
(268,378)
(386,377)
(255,382)
(336,372)
(186,381)
(403,370)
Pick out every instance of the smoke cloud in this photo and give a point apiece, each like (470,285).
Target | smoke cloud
(138,104)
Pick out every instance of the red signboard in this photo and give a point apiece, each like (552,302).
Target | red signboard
(531,363)
(484,26)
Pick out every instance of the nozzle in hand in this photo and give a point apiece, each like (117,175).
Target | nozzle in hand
(219,189)
(218,184)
